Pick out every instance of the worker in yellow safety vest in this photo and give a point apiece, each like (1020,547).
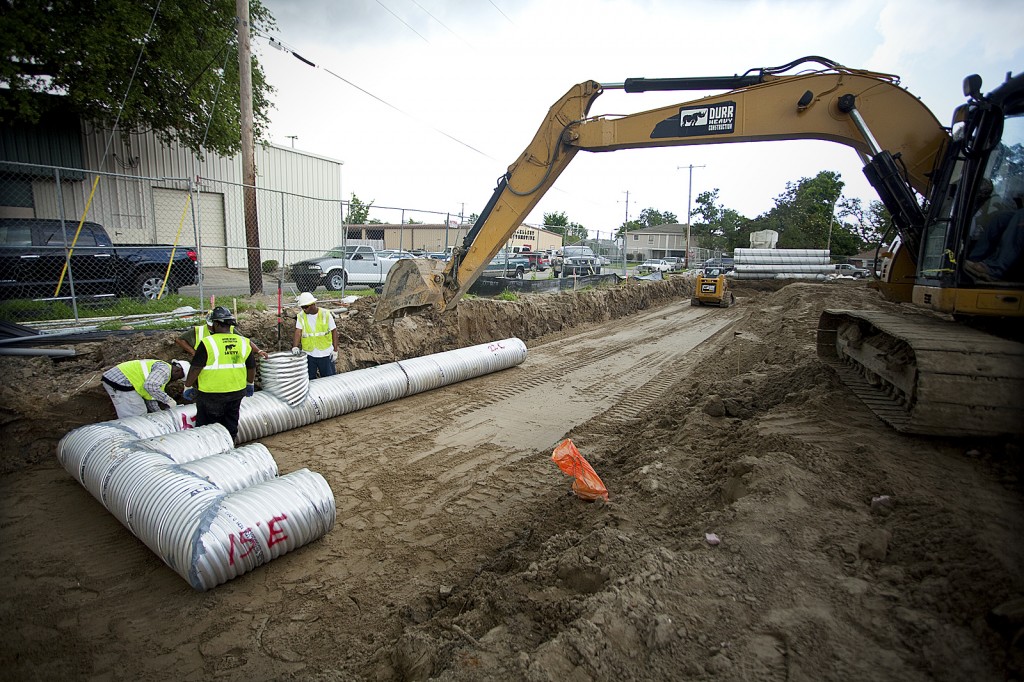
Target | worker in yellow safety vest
(139,386)
(316,335)
(222,373)
(193,336)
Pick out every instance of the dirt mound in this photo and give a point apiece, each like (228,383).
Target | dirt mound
(42,399)
(762,524)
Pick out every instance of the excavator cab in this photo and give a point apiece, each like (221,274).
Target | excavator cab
(970,244)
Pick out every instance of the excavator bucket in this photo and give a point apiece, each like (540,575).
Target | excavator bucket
(412,285)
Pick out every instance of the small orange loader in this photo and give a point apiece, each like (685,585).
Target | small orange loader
(712,288)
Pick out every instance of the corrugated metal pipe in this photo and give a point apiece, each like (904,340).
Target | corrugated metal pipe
(212,511)
(781,264)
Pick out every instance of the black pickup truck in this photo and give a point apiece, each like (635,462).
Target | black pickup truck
(32,260)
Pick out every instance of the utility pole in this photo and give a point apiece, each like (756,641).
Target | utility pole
(624,225)
(831,219)
(292,138)
(252,225)
(689,212)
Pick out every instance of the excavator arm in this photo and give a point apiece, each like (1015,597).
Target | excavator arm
(829,102)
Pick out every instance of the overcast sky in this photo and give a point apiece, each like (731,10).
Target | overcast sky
(485,72)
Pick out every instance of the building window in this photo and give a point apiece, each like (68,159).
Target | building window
(650,239)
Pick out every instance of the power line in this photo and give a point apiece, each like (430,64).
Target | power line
(403,21)
(277,44)
(145,41)
(441,22)
(502,13)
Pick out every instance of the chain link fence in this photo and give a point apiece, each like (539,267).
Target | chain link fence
(74,243)
(77,243)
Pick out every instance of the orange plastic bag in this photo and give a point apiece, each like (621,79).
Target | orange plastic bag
(588,484)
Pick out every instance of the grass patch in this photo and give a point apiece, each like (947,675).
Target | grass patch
(507,296)
(43,311)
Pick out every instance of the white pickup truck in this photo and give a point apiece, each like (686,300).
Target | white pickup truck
(357,264)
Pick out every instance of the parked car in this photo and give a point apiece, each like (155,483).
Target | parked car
(676,262)
(654,265)
(848,270)
(575,260)
(32,262)
(507,264)
(395,254)
(352,264)
(722,263)
(538,261)
(438,255)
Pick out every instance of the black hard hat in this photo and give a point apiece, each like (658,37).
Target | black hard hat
(222,314)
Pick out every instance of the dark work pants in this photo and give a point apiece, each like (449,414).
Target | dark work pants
(325,366)
(222,408)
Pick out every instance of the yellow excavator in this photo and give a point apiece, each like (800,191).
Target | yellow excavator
(943,186)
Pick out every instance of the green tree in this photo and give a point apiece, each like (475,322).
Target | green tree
(652,216)
(631,226)
(803,213)
(358,212)
(559,223)
(88,51)
(869,224)
(649,217)
(719,228)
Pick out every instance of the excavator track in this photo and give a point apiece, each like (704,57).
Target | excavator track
(928,376)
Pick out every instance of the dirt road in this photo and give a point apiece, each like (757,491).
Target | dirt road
(846,552)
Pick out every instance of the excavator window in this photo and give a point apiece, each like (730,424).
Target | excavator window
(996,240)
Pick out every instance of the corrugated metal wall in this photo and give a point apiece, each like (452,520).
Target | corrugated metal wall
(303,206)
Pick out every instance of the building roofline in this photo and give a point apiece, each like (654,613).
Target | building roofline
(301,152)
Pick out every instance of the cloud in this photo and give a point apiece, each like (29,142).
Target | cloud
(468,72)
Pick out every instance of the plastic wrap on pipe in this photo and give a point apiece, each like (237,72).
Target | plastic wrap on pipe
(253,526)
(236,469)
(212,512)
(190,444)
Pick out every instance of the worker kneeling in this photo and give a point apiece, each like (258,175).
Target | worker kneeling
(139,386)
(223,370)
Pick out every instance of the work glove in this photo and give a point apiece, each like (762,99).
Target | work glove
(296,351)
(189,393)
(334,354)
(250,389)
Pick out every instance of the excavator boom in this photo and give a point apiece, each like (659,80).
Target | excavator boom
(829,103)
(918,373)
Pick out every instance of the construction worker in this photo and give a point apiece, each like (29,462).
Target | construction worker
(317,334)
(222,373)
(139,386)
(190,340)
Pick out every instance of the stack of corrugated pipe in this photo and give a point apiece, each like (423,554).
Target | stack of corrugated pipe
(782,264)
(212,511)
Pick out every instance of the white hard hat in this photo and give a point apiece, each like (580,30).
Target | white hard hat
(185,366)
(305,298)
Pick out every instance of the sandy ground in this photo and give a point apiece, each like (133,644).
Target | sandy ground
(460,553)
